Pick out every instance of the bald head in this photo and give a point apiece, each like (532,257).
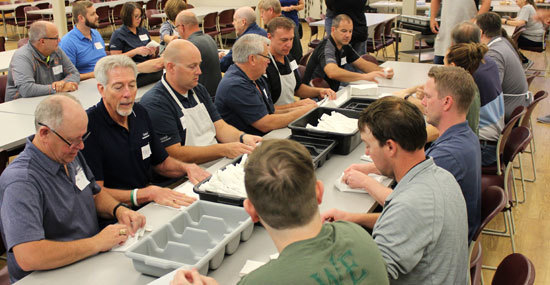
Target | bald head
(247,14)
(178,50)
(39,30)
(182,61)
(187,18)
(466,32)
(53,110)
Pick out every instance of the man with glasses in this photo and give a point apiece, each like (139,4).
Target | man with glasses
(243,98)
(183,115)
(40,67)
(49,198)
(123,150)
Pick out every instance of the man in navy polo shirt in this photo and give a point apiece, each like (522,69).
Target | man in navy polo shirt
(334,52)
(123,149)
(183,115)
(84,45)
(243,97)
(49,199)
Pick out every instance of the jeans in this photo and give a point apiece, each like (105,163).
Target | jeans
(488,153)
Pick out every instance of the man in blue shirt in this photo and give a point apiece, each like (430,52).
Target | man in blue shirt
(244,21)
(84,45)
(243,98)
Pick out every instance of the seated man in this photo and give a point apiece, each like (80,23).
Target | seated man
(83,44)
(183,115)
(282,73)
(271,9)
(40,67)
(330,56)
(244,22)
(422,231)
(510,70)
(188,28)
(277,175)
(49,199)
(243,98)
(123,149)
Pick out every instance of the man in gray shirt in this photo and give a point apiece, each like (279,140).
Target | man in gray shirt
(188,28)
(40,67)
(510,70)
(422,231)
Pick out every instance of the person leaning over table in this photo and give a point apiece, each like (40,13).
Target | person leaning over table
(330,56)
(422,230)
(123,149)
(244,21)
(270,9)
(183,115)
(131,39)
(49,198)
(282,74)
(188,28)
(243,97)
(168,30)
(284,195)
(39,67)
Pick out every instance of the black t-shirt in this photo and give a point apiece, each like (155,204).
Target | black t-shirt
(273,79)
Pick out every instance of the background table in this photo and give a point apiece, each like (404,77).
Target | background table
(15,129)
(5,59)
(201,11)
(373,19)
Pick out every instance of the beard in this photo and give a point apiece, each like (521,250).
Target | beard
(91,25)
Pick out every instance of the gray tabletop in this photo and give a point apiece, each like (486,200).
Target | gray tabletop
(406,74)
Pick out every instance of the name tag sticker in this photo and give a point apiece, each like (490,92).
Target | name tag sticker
(57,69)
(145,151)
(81,179)
(98,45)
(143,37)
(293,65)
(265,93)
(343,60)
(183,123)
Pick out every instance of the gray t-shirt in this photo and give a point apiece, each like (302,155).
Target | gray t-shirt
(423,230)
(533,29)
(210,65)
(510,71)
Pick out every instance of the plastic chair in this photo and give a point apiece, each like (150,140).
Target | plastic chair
(305,58)
(314,32)
(225,23)
(387,37)
(43,6)
(19,19)
(3,84)
(319,82)
(115,15)
(30,18)
(515,269)
(375,44)
(2,43)
(152,4)
(104,17)
(210,26)
(153,24)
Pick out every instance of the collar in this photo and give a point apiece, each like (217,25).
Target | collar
(420,167)
(252,26)
(127,30)
(186,96)
(103,110)
(197,33)
(334,44)
(43,160)
(451,132)
(37,54)
(494,40)
(81,36)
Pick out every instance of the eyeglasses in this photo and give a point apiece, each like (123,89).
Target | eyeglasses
(70,144)
(138,17)
(264,56)
(52,38)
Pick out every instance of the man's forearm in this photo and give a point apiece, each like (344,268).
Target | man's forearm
(84,76)
(107,199)
(364,219)
(191,154)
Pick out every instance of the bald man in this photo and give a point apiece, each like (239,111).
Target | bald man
(187,26)
(183,115)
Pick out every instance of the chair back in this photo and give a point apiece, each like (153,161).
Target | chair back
(526,119)
(3,84)
(387,28)
(517,32)
(314,29)
(476,263)
(226,17)
(515,269)
(31,18)
(209,22)
(151,4)
(151,21)
(493,201)
(517,141)
(2,43)
(514,118)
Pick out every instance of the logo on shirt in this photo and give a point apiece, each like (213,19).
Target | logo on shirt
(145,135)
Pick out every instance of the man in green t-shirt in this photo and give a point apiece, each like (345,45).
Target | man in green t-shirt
(283,194)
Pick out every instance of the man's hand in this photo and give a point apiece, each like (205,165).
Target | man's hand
(334,215)
(195,174)
(371,75)
(221,54)
(69,87)
(132,219)
(191,277)
(434,26)
(364,168)
(251,140)
(110,236)
(357,179)
(234,149)
(305,102)
(324,92)
(168,197)
(388,71)
(143,51)
(58,86)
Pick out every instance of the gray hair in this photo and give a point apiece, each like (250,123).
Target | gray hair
(273,4)
(248,44)
(187,18)
(50,111)
(37,31)
(466,32)
(247,14)
(106,64)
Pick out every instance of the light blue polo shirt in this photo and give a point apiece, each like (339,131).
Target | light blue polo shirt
(82,52)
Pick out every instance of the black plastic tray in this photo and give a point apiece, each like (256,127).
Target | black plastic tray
(219,197)
(357,104)
(319,149)
(345,143)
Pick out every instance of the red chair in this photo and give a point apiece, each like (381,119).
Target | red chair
(319,82)
(305,58)
(370,58)
(3,84)
(31,18)
(314,32)
(388,37)
(225,23)
(301,70)
(515,269)
(2,44)
(152,4)
(376,43)
(104,17)
(210,26)
(115,15)
(19,19)
(153,24)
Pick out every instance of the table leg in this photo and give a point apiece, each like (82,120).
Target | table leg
(4,21)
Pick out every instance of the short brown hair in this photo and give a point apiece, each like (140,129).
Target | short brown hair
(467,55)
(455,82)
(490,24)
(280,182)
(127,13)
(280,22)
(392,118)
(341,18)
(273,4)
(80,7)
(173,7)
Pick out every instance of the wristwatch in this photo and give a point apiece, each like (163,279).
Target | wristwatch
(241,137)
(118,205)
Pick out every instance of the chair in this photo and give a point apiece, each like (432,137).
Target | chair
(153,24)
(3,84)
(2,43)
(152,4)
(305,58)
(376,43)
(104,17)
(475,263)
(225,23)
(515,269)
(525,121)
(387,37)
(314,32)
(30,18)
(210,26)
(19,19)
(301,70)
(115,15)
(43,6)
(22,42)
(319,82)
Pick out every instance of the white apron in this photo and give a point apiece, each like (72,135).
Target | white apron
(288,83)
(453,12)
(200,130)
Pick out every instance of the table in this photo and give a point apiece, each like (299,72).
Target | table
(69,9)
(15,129)
(201,11)
(5,59)
(499,8)
(373,19)
(11,8)
(420,5)
(406,74)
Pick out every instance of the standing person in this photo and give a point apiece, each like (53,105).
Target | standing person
(355,9)
(290,10)
(453,12)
